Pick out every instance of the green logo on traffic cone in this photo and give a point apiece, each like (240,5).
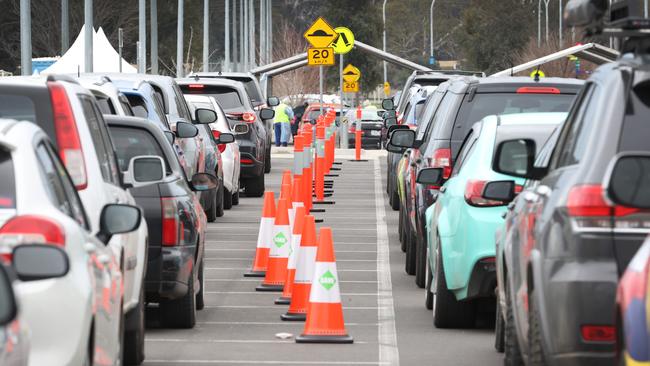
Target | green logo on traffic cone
(279,240)
(327,280)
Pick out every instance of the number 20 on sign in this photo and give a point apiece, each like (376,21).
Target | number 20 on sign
(320,56)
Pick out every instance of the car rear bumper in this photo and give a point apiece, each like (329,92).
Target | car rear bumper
(250,170)
(168,272)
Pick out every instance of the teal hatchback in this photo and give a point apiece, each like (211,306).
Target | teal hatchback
(461,224)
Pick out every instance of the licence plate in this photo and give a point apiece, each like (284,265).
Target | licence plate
(375,132)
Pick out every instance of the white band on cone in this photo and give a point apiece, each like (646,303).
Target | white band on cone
(305,264)
(265,236)
(292,217)
(280,242)
(293,252)
(325,284)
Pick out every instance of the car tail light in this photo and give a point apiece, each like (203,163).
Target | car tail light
(537,90)
(216,134)
(442,159)
(248,117)
(67,136)
(598,333)
(170,222)
(196,86)
(246,161)
(587,205)
(29,229)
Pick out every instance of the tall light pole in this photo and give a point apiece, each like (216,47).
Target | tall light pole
(539,23)
(235,38)
(431,30)
(560,17)
(245,37)
(65,26)
(251,41)
(384,17)
(269,43)
(206,35)
(25,37)
(179,41)
(241,35)
(88,19)
(154,36)
(226,37)
(142,36)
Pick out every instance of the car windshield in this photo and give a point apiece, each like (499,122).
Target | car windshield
(227,98)
(132,142)
(501,103)
(7,181)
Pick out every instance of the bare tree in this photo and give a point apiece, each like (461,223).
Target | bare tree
(297,82)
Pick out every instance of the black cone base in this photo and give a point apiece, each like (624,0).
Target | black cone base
(306,338)
(255,274)
(324,202)
(337,163)
(317,210)
(331,175)
(283,301)
(362,160)
(294,317)
(269,288)
(318,221)
(335,168)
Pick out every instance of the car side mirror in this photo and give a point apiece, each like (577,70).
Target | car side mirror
(502,190)
(8,306)
(400,140)
(390,122)
(393,128)
(204,116)
(240,128)
(273,101)
(516,158)
(627,180)
(170,136)
(267,113)
(430,176)
(33,262)
(388,104)
(186,130)
(145,170)
(226,138)
(390,113)
(203,182)
(118,219)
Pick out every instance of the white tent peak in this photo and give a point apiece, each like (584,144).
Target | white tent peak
(105,58)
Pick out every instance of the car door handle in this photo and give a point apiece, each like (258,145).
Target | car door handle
(443,189)
(511,205)
(543,190)
(90,248)
(104,259)
(530,197)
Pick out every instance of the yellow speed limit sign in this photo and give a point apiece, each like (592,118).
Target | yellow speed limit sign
(350,87)
(320,56)
(344,41)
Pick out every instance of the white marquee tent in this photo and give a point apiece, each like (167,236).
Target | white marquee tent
(105,58)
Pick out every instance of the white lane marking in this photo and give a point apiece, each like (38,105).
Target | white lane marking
(388,351)
(265,362)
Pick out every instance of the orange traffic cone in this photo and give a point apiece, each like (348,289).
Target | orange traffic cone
(325,313)
(296,235)
(264,237)
(286,178)
(296,201)
(279,253)
(305,261)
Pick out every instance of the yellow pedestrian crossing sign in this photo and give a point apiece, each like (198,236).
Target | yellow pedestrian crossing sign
(537,74)
(351,74)
(344,41)
(320,34)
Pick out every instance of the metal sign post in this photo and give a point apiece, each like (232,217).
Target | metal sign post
(320,87)
(120,45)
(341,91)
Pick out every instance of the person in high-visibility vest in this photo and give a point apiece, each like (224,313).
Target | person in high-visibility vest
(282,123)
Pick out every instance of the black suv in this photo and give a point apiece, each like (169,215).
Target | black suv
(466,100)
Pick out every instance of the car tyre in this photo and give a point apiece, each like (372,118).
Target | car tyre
(255,186)
(420,261)
(536,349)
(227,199)
(409,266)
(428,295)
(447,311)
(180,313)
(134,338)
(220,195)
(211,213)
(200,303)
(499,325)
(394,200)
(235,198)
(267,161)
(510,341)
(405,229)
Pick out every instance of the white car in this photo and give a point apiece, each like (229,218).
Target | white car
(229,152)
(75,319)
(14,351)
(70,116)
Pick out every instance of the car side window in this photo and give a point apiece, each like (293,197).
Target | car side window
(437,123)
(101,141)
(183,110)
(573,140)
(59,186)
(465,151)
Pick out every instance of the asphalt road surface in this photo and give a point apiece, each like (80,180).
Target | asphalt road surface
(384,310)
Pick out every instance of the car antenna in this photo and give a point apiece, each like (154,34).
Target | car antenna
(196,77)
(537,74)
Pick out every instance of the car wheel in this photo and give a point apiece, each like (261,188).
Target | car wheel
(200,304)
(447,311)
(510,340)
(235,198)
(211,213)
(409,266)
(428,295)
(394,204)
(536,349)
(400,226)
(267,161)
(219,206)
(227,199)
(255,186)
(420,261)
(499,325)
(180,313)
(134,333)
(405,230)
